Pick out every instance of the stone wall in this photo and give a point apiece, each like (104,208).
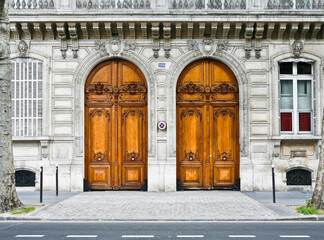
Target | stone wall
(261,144)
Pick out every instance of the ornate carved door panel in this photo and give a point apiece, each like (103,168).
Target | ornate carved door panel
(207,126)
(116,127)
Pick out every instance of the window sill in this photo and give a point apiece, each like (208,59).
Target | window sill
(39,138)
(297,137)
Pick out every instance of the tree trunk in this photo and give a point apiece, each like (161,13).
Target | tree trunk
(318,196)
(8,195)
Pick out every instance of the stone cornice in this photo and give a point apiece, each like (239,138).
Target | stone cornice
(248,30)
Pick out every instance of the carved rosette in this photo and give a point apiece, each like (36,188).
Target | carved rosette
(191,156)
(224,156)
(190,113)
(132,156)
(99,157)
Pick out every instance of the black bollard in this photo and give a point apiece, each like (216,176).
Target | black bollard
(273,185)
(56,180)
(41,185)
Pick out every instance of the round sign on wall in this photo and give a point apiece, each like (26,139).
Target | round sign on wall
(162,125)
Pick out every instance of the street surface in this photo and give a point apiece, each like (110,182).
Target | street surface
(161,230)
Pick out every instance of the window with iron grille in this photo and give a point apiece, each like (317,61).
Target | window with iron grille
(27,97)
(296,97)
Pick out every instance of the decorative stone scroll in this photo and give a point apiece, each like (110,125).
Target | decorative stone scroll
(62,36)
(101,47)
(222,46)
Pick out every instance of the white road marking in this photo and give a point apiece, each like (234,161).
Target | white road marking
(294,236)
(241,236)
(82,236)
(29,236)
(190,236)
(137,236)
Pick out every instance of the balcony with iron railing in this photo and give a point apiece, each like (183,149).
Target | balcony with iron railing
(171,5)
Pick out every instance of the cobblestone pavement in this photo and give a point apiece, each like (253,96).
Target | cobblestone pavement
(128,205)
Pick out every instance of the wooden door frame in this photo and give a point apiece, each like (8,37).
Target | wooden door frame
(141,74)
(237,122)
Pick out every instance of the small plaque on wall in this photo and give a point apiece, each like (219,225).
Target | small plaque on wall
(161,65)
(162,125)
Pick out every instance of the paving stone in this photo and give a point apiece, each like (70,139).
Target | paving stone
(187,205)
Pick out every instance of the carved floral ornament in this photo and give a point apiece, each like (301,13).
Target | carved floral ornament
(132,156)
(99,113)
(133,113)
(208,47)
(190,113)
(99,88)
(224,156)
(99,157)
(115,46)
(191,88)
(133,88)
(222,88)
(224,112)
(191,156)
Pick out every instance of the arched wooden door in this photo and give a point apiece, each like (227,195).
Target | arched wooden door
(207,127)
(116,126)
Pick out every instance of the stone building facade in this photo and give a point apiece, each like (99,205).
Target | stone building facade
(274,49)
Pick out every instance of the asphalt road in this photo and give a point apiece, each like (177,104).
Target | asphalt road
(161,230)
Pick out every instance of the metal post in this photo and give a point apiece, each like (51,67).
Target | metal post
(273,185)
(41,185)
(56,180)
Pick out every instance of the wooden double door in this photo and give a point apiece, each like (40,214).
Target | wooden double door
(207,127)
(116,127)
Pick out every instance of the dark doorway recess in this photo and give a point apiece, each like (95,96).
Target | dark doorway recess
(299,177)
(25,178)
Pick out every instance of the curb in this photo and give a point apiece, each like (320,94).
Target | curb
(301,218)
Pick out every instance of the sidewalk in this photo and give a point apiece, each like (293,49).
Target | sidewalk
(163,206)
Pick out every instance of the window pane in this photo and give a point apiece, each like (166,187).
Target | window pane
(286,121)
(286,68)
(286,97)
(304,94)
(304,68)
(304,122)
